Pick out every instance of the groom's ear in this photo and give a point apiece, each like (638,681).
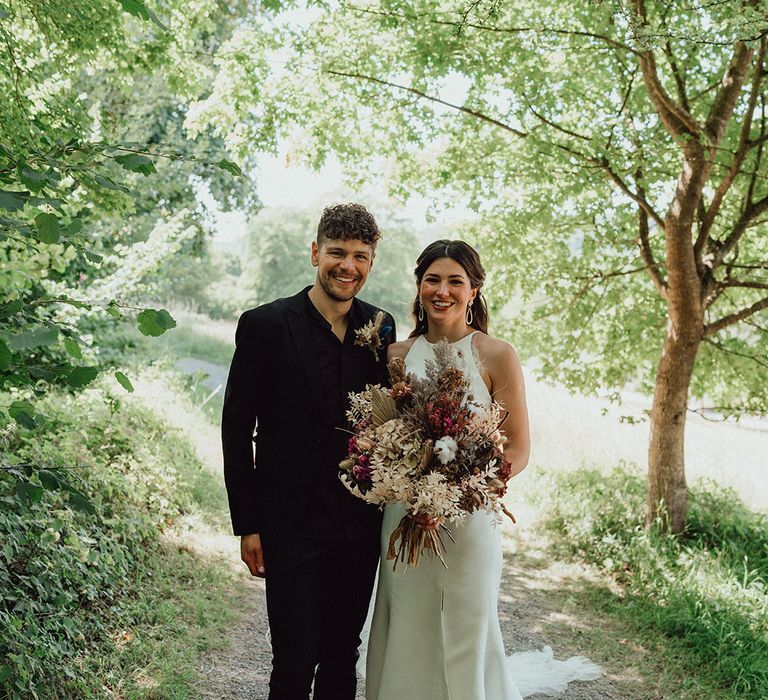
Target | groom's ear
(315,250)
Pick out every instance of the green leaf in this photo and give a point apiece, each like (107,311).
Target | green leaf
(5,13)
(140,10)
(5,671)
(137,163)
(136,8)
(47,228)
(155,322)
(28,492)
(124,382)
(110,184)
(13,201)
(34,179)
(81,376)
(54,202)
(48,479)
(93,257)
(23,413)
(114,310)
(230,167)
(11,308)
(5,356)
(75,226)
(73,348)
(81,503)
(34,338)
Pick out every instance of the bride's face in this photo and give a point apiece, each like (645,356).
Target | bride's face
(445,291)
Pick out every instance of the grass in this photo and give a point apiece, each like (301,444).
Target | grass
(192,338)
(101,604)
(699,600)
(180,612)
(186,341)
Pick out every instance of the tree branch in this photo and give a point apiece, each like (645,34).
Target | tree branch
(741,151)
(559,128)
(599,275)
(716,326)
(679,77)
(723,248)
(636,197)
(613,43)
(650,264)
(759,155)
(750,266)
(747,284)
(431,98)
(725,101)
(675,118)
(598,162)
(745,355)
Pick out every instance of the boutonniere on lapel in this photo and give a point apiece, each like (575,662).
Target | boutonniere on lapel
(367,336)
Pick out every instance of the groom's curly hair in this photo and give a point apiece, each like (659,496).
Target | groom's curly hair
(347,222)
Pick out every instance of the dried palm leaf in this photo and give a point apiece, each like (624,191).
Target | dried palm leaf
(384,408)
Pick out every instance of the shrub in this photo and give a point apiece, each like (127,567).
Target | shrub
(79,536)
(705,590)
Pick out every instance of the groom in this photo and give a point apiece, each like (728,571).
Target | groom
(316,545)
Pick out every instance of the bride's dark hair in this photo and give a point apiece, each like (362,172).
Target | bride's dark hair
(467,257)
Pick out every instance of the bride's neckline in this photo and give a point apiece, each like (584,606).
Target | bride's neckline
(450,342)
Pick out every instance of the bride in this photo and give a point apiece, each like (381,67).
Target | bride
(435,633)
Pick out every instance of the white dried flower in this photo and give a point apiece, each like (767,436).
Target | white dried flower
(446,449)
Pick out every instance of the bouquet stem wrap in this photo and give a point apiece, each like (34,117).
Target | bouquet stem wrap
(414,542)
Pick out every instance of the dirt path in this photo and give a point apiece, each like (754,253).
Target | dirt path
(541,602)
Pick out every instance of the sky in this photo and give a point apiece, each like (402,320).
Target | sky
(283,183)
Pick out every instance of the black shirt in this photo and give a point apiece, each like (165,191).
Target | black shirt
(332,357)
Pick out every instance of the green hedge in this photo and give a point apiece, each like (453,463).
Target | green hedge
(81,560)
(706,591)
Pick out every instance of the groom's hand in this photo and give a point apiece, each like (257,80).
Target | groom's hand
(251,554)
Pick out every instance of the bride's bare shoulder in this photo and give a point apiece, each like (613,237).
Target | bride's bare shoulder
(495,349)
(399,349)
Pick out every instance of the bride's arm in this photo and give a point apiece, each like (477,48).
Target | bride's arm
(508,390)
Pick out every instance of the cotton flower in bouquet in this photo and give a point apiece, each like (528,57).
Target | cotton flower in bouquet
(425,443)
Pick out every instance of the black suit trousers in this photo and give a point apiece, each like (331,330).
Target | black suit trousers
(318,591)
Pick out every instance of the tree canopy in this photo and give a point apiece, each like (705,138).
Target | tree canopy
(97,175)
(612,149)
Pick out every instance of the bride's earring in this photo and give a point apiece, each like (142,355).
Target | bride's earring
(470,315)
(421,311)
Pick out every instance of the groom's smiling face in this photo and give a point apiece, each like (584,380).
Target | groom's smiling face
(342,266)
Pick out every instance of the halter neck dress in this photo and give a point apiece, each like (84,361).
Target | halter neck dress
(435,633)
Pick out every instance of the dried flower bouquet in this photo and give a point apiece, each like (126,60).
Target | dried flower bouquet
(426,443)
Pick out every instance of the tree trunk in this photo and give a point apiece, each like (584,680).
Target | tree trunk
(667,489)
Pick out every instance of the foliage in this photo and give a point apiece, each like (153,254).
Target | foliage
(705,591)
(536,116)
(97,178)
(613,152)
(76,576)
(207,282)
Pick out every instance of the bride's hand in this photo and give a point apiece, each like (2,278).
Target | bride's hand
(425,522)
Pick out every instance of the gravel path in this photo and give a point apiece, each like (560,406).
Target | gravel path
(529,611)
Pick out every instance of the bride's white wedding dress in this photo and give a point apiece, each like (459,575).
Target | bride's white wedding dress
(435,633)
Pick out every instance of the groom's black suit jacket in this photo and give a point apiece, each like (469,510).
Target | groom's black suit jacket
(275,384)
